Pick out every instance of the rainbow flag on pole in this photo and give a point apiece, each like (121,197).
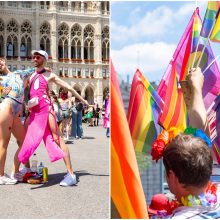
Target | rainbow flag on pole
(144,108)
(183,58)
(179,60)
(126,189)
(215,36)
(209,19)
(174,110)
(211,86)
(214,119)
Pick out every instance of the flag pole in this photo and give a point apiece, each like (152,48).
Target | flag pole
(194,57)
(211,64)
(207,40)
(197,46)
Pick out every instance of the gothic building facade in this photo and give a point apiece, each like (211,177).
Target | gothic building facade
(75,34)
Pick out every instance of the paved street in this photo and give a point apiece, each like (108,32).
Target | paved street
(88,199)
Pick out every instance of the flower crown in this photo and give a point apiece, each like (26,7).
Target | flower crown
(165,136)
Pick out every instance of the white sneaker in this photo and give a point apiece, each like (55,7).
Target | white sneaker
(25,170)
(5,180)
(17,176)
(69,180)
(65,139)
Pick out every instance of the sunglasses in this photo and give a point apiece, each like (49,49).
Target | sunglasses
(36,57)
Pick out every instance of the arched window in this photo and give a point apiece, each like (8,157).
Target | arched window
(10,49)
(76,35)
(63,36)
(26,46)
(45,37)
(63,48)
(88,43)
(12,40)
(89,95)
(23,50)
(1,46)
(88,50)
(76,49)
(12,46)
(2,43)
(105,43)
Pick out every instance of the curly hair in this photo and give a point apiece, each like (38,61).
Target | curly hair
(190,159)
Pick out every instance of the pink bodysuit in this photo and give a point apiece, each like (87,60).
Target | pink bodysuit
(38,127)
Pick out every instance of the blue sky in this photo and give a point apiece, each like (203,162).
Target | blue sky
(145,34)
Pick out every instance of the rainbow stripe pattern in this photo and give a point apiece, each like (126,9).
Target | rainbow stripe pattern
(211,87)
(209,19)
(174,110)
(144,108)
(215,36)
(126,189)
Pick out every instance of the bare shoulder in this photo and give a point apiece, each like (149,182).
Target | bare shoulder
(50,76)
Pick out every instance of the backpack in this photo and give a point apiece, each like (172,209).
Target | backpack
(79,107)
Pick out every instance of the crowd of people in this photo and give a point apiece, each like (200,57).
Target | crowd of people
(52,117)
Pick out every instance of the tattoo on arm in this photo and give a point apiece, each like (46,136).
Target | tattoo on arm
(25,73)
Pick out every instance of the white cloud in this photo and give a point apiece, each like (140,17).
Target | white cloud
(153,58)
(153,23)
(157,22)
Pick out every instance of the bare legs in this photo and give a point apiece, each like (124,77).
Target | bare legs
(59,141)
(19,131)
(6,122)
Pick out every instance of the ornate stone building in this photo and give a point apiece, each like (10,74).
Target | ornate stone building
(75,34)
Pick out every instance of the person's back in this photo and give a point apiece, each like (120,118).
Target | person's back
(188,165)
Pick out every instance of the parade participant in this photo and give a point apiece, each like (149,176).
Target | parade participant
(77,130)
(189,153)
(65,108)
(97,113)
(56,107)
(106,120)
(10,122)
(188,165)
(196,108)
(42,116)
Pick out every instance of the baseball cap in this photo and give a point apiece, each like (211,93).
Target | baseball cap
(159,202)
(41,52)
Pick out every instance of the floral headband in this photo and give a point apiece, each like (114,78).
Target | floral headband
(165,136)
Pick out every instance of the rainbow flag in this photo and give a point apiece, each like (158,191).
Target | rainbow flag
(143,111)
(174,110)
(209,19)
(183,58)
(214,125)
(179,60)
(211,87)
(126,189)
(215,36)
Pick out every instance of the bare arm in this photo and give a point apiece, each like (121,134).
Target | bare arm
(25,73)
(65,85)
(196,110)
